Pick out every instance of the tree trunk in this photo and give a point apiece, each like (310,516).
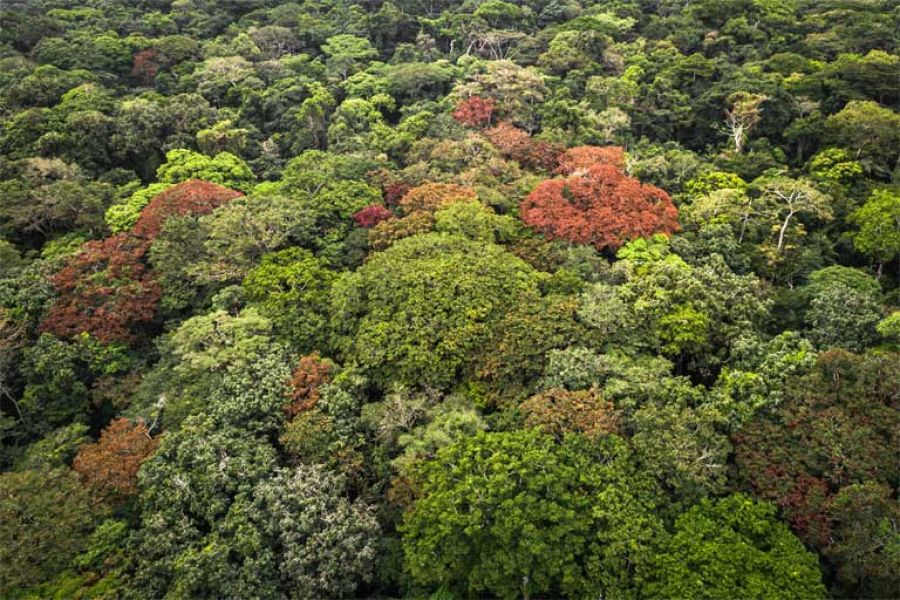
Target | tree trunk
(784,227)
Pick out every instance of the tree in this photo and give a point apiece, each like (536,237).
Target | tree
(516,514)
(879,227)
(433,196)
(743,117)
(684,446)
(560,412)
(870,130)
(110,465)
(602,207)
(474,111)
(250,395)
(347,53)
(104,290)
(188,198)
(510,366)
(193,494)
(201,352)
(517,145)
(692,314)
(732,548)
(390,230)
(45,518)
(517,91)
(57,378)
(224,169)
(417,311)
(327,543)
(834,428)
(866,539)
(476,221)
(50,196)
(292,288)
(842,316)
(582,157)
(311,374)
(372,215)
(124,214)
(791,198)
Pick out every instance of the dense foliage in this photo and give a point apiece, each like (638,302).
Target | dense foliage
(487,298)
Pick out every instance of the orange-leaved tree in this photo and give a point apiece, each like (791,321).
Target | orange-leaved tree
(110,465)
(312,373)
(601,206)
(581,157)
(475,111)
(433,196)
(192,197)
(559,412)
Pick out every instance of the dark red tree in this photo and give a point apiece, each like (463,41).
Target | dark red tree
(509,139)
(393,192)
(600,206)
(145,66)
(372,215)
(835,428)
(475,111)
(105,290)
(516,144)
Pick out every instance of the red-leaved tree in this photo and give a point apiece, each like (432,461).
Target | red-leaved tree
(601,206)
(192,197)
(475,111)
(372,215)
(145,66)
(393,192)
(105,290)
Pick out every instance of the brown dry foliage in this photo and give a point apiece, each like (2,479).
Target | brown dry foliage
(312,373)
(111,464)
(558,412)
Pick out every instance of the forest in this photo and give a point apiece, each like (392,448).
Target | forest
(384,299)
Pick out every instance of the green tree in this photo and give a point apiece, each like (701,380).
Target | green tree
(347,53)
(293,288)
(867,539)
(871,131)
(417,312)
(45,518)
(193,497)
(879,227)
(844,308)
(516,515)
(124,214)
(327,543)
(224,169)
(732,548)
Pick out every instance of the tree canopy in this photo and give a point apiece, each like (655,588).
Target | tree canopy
(445,299)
